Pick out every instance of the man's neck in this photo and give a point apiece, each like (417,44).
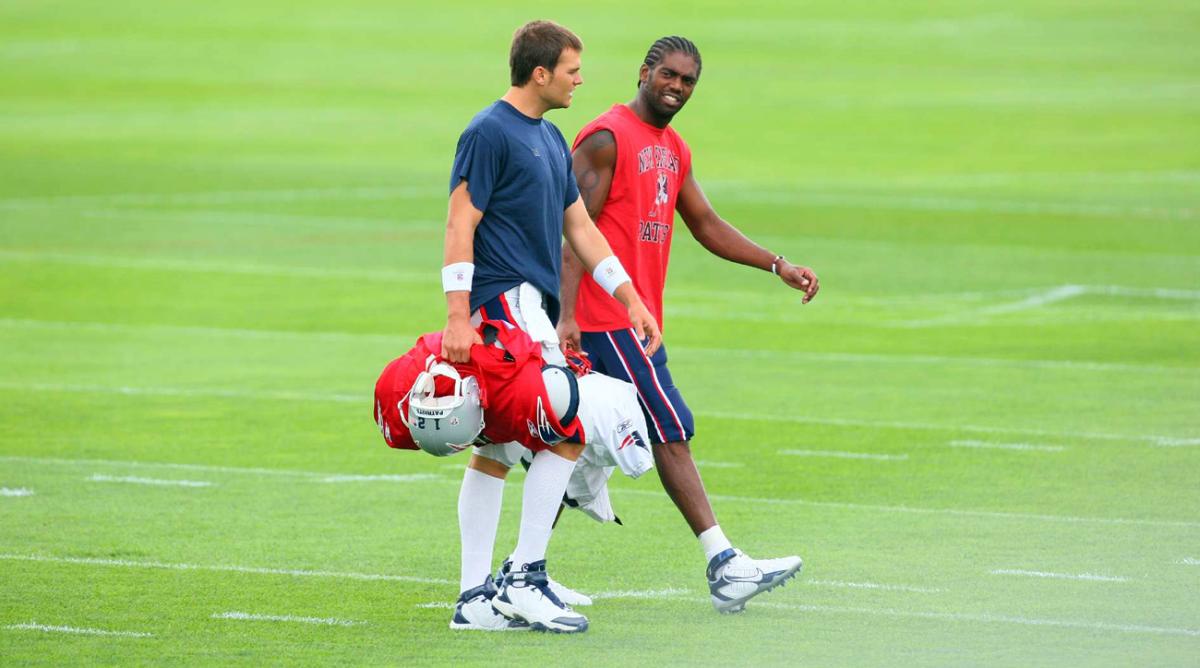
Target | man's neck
(643,112)
(526,101)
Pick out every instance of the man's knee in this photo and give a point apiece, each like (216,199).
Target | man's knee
(488,466)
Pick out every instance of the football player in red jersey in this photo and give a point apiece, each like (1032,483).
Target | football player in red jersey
(634,172)
(506,391)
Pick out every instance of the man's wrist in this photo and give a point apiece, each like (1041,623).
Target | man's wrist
(610,275)
(457,276)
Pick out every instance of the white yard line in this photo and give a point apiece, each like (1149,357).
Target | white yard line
(1050,296)
(252,617)
(987,619)
(293,572)
(1190,561)
(167,465)
(839,454)
(15,491)
(1037,300)
(134,480)
(314,476)
(952,512)
(34,626)
(1057,294)
(1158,293)
(1178,442)
(647,593)
(988,445)
(871,585)
(1091,577)
(436,605)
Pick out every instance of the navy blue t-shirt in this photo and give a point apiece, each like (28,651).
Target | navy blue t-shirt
(518,173)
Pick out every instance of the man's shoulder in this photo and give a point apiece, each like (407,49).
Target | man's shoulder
(605,125)
(490,123)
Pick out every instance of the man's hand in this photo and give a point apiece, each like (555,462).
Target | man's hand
(569,335)
(457,339)
(645,326)
(800,278)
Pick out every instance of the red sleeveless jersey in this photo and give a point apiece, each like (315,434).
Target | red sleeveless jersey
(515,404)
(639,215)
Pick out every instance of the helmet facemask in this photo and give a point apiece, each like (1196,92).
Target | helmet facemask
(447,424)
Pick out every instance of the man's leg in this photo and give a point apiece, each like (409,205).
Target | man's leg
(545,484)
(525,594)
(681,479)
(733,578)
(479,503)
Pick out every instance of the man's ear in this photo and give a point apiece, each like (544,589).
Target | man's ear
(643,74)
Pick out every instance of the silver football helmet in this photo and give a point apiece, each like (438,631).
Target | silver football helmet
(448,424)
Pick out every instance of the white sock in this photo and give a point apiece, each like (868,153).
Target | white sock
(479,502)
(544,486)
(713,541)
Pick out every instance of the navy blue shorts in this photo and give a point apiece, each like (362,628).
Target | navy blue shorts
(619,354)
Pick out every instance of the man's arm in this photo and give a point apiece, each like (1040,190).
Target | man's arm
(593,249)
(461,222)
(724,240)
(593,163)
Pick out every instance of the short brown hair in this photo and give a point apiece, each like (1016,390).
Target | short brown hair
(538,43)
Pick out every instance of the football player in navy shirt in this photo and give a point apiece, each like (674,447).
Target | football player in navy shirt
(513,198)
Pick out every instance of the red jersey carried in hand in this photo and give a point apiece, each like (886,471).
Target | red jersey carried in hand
(515,404)
(638,216)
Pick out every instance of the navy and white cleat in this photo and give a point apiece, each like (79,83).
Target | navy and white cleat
(474,611)
(525,596)
(562,591)
(734,578)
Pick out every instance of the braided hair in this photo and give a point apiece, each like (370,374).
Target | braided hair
(673,44)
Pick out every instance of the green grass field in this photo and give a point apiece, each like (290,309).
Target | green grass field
(218,222)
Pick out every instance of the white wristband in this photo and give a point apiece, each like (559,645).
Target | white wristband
(457,276)
(609,274)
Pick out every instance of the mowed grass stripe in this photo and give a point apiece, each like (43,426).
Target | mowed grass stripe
(739,353)
(769,501)
(990,619)
(951,512)
(207,267)
(811,198)
(321,397)
(223,568)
